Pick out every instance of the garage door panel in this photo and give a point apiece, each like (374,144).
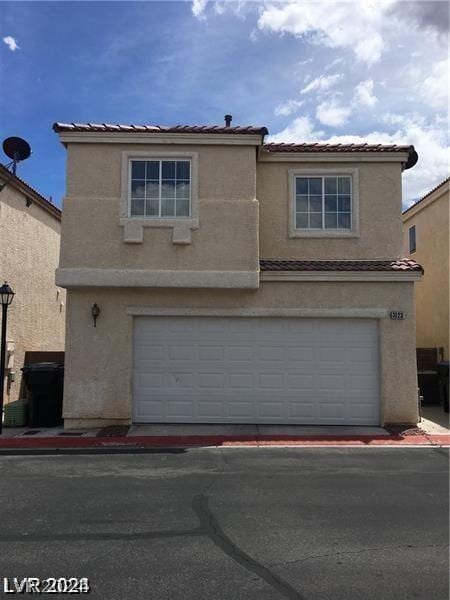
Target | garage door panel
(180,380)
(256,370)
(239,353)
(211,352)
(270,381)
(241,409)
(270,353)
(331,383)
(241,381)
(297,382)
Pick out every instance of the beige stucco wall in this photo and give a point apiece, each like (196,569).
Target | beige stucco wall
(29,253)
(227,237)
(98,376)
(432,292)
(380,225)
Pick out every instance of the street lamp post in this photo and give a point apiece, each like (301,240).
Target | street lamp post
(6,297)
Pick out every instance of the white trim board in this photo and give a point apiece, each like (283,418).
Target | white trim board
(336,157)
(340,276)
(118,137)
(333,313)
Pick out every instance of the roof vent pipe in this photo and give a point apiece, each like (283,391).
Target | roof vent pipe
(228,119)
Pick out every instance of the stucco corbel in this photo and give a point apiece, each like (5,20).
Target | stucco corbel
(133,233)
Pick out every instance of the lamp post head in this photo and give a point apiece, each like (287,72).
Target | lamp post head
(6,294)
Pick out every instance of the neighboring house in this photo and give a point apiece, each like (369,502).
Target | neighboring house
(426,240)
(30,231)
(237,281)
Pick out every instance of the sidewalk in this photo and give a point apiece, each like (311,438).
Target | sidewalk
(185,436)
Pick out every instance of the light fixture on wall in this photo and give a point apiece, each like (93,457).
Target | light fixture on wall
(6,297)
(95,311)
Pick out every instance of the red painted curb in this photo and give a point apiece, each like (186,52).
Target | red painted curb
(62,442)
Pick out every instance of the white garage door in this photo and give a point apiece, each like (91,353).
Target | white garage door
(256,370)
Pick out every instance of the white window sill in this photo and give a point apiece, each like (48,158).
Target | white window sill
(133,228)
(323,233)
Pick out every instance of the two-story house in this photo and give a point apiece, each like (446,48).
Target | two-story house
(426,239)
(237,281)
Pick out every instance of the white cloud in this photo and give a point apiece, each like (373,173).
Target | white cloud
(430,141)
(287,108)
(434,89)
(253,35)
(428,138)
(322,83)
(332,113)
(11,43)
(356,26)
(198,8)
(300,130)
(334,63)
(364,95)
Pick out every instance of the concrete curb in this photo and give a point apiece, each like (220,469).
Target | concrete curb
(441,440)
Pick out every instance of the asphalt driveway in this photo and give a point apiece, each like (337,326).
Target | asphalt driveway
(232,524)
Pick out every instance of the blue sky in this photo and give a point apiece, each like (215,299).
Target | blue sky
(352,71)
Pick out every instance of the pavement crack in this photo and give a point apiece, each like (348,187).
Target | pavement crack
(332,554)
(210,527)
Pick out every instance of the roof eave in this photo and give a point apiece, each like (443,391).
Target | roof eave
(160,137)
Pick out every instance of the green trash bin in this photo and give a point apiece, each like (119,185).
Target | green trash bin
(15,414)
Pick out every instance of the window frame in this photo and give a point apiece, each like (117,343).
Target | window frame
(160,180)
(412,232)
(353,232)
(133,226)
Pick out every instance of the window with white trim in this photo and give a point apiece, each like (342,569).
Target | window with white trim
(323,202)
(160,189)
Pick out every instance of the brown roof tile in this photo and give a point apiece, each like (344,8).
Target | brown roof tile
(108,127)
(321,148)
(404,264)
(317,147)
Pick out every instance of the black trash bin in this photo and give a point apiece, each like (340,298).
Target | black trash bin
(44,382)
(442,371)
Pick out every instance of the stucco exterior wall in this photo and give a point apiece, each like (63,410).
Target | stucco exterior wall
(98,376)
(432,252)
(29,254)
(227,236)
(380,225)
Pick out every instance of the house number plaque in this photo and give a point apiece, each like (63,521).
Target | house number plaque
(397,315)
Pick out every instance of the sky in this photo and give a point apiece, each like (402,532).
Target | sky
(310,71)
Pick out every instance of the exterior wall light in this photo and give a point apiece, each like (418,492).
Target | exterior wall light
(6,297)
(95,311)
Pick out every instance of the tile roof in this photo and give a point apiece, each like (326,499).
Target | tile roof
(317,147)
(322,148)
(27,190)
(404,264)
(427,194)
(111,128)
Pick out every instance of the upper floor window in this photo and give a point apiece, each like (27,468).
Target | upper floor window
(160,188)
(323,202)
(412,239)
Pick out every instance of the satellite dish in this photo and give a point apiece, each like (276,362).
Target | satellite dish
(17,149)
